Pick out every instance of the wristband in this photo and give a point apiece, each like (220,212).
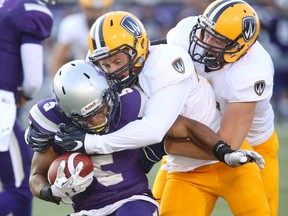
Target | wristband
(46,194)
(220,149)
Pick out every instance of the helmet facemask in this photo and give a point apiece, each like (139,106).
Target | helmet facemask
(213,56)
(119,76)
(110,102)
(224,33)
(114,33)
(82,91)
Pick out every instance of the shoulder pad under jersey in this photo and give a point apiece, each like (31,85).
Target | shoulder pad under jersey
(46,116)
(166,65)
(180,34)
(250,80)
(34,19)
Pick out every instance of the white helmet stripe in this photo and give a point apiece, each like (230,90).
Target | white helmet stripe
(218,9)
(97,33)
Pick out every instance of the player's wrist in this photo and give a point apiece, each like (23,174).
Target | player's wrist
(46,194)
(220,149)
(89,143)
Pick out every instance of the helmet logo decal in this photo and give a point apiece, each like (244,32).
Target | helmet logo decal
(259,87)
(249,28)
(90,107)
(132,26)
(178,65)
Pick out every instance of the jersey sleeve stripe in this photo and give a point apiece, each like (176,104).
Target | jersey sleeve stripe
(35,7)
(42,120)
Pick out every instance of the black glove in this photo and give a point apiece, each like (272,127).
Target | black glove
(151,155)
(70,138)
(38,141)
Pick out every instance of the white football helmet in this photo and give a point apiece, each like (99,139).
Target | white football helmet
(82,91)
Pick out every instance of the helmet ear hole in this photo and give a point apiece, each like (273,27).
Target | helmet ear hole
(142,43)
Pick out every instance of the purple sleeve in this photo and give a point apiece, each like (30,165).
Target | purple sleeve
(33,19)
(45,116)
(131,104)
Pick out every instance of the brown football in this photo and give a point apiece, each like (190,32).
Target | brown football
(71,162)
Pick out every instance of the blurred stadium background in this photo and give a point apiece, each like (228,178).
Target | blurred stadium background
(159,16)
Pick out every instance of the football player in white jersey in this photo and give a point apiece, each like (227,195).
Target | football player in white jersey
(224,48)
(119,45)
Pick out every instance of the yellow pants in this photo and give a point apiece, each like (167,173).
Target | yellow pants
(196,192)
(270,174)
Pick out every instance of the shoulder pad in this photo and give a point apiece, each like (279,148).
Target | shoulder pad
(46,116)
(33,19)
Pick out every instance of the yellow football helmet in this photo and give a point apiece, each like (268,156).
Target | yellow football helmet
(96,4)
(234,27)
(115,32)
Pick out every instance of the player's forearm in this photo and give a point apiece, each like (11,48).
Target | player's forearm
(135,135)
(36,183)
(236,122)
(187,148)
(32,69)
(201,135)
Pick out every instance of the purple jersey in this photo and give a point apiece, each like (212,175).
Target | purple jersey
(118,175)
(21,21)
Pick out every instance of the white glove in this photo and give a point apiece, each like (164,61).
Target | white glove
(241,157)
(67,188)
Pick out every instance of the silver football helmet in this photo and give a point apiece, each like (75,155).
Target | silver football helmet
(82,91)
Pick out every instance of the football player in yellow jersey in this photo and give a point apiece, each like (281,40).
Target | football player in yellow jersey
(222,43)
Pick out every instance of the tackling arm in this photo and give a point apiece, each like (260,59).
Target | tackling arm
(236,121)
(199,134)
(204,138)
(185,147)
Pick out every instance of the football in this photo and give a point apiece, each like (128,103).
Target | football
(71,162)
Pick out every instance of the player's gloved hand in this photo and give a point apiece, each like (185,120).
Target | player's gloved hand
(38,141)
(70,138)
(151,155)
(68,187)
(232,158)
(241,157)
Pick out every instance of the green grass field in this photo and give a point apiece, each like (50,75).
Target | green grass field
(42,208)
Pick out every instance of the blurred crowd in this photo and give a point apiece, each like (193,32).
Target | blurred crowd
(159,16)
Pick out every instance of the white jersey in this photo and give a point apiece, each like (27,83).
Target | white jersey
(173,87)
(200,106)
(166,78)
(250,79)
(73,30)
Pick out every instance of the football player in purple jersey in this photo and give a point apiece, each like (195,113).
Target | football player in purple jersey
(24,25)
(84,99)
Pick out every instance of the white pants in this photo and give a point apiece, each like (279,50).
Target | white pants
(7,117)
